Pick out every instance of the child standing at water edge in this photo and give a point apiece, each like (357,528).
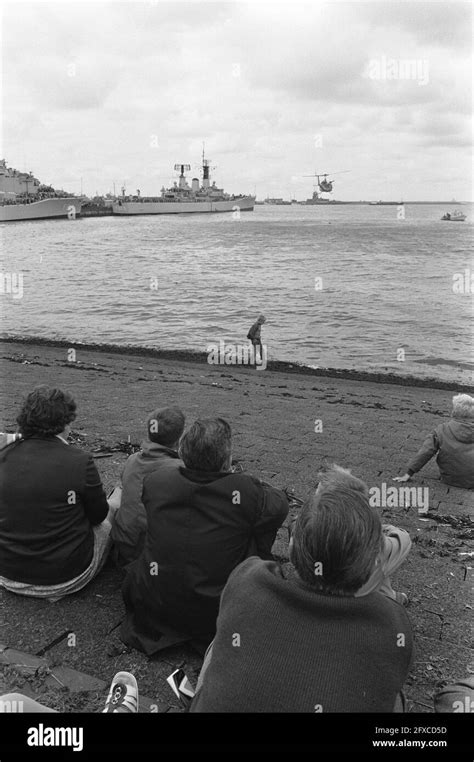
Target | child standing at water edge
(254,335)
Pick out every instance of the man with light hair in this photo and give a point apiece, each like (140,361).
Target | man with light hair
(453,444)
(308,642)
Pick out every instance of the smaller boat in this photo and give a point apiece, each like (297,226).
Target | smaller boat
(455,216)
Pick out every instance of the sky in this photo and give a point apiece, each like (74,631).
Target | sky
(98,93)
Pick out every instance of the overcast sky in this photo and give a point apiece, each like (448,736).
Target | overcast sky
(123,90)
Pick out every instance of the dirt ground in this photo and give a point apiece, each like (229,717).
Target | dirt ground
(372,428)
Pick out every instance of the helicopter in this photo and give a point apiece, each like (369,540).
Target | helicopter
(325,185)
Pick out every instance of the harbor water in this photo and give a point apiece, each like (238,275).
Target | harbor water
(372,288)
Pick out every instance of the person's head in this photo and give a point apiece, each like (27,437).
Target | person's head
(165,426)
(46,412)
(463,407)
(261,319)
(337,535)
(207,445)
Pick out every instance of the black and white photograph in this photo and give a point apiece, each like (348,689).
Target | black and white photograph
(236,376)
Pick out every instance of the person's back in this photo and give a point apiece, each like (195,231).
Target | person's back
(456,453)
(51,497)
(157,453)
(309,643)
(201,525)
(281,647)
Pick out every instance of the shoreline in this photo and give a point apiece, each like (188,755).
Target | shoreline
(191,356)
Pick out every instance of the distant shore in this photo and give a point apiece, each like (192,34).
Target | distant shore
(187,355)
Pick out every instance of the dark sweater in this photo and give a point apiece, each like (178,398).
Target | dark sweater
(302,651)
(50,497)
(200,526)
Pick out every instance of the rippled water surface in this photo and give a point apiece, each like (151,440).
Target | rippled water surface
(186,281)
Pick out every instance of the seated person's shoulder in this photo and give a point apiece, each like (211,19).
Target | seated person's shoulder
(163,471)
(390,609)
(248,480)
(132,460)
(72,454)
(252,570)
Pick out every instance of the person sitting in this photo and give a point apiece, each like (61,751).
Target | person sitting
(54,530)
(396,544)
(203,520)
(165,427)
(307,643)
(453,442)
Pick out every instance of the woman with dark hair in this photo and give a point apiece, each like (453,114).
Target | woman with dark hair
(54,524)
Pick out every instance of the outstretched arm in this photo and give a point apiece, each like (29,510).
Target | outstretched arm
(429,448)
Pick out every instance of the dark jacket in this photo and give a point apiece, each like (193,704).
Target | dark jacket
(454,443)
(255,331)
(200,527)
(50,498)
(281,646)
(129,527)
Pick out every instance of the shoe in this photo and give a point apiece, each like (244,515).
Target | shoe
(123,694)
(401,598)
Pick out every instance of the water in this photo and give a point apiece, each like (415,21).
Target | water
(387,300)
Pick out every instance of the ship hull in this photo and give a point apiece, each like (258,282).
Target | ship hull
(41,210)
(244,204)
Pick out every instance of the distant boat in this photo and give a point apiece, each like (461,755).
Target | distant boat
(316,199)
(455,216)
(385,203)
(277,202)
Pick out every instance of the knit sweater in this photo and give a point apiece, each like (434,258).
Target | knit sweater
(282,647)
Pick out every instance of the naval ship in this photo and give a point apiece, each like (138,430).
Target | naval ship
(183,198)
(22,197)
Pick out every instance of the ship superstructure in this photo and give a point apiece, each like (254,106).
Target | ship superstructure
(183,198)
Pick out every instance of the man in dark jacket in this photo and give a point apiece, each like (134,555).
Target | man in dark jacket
(165,427)
(53,533)
(202,521)
(308,643)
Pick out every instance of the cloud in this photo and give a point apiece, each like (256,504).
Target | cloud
(113,91)
(445,24)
